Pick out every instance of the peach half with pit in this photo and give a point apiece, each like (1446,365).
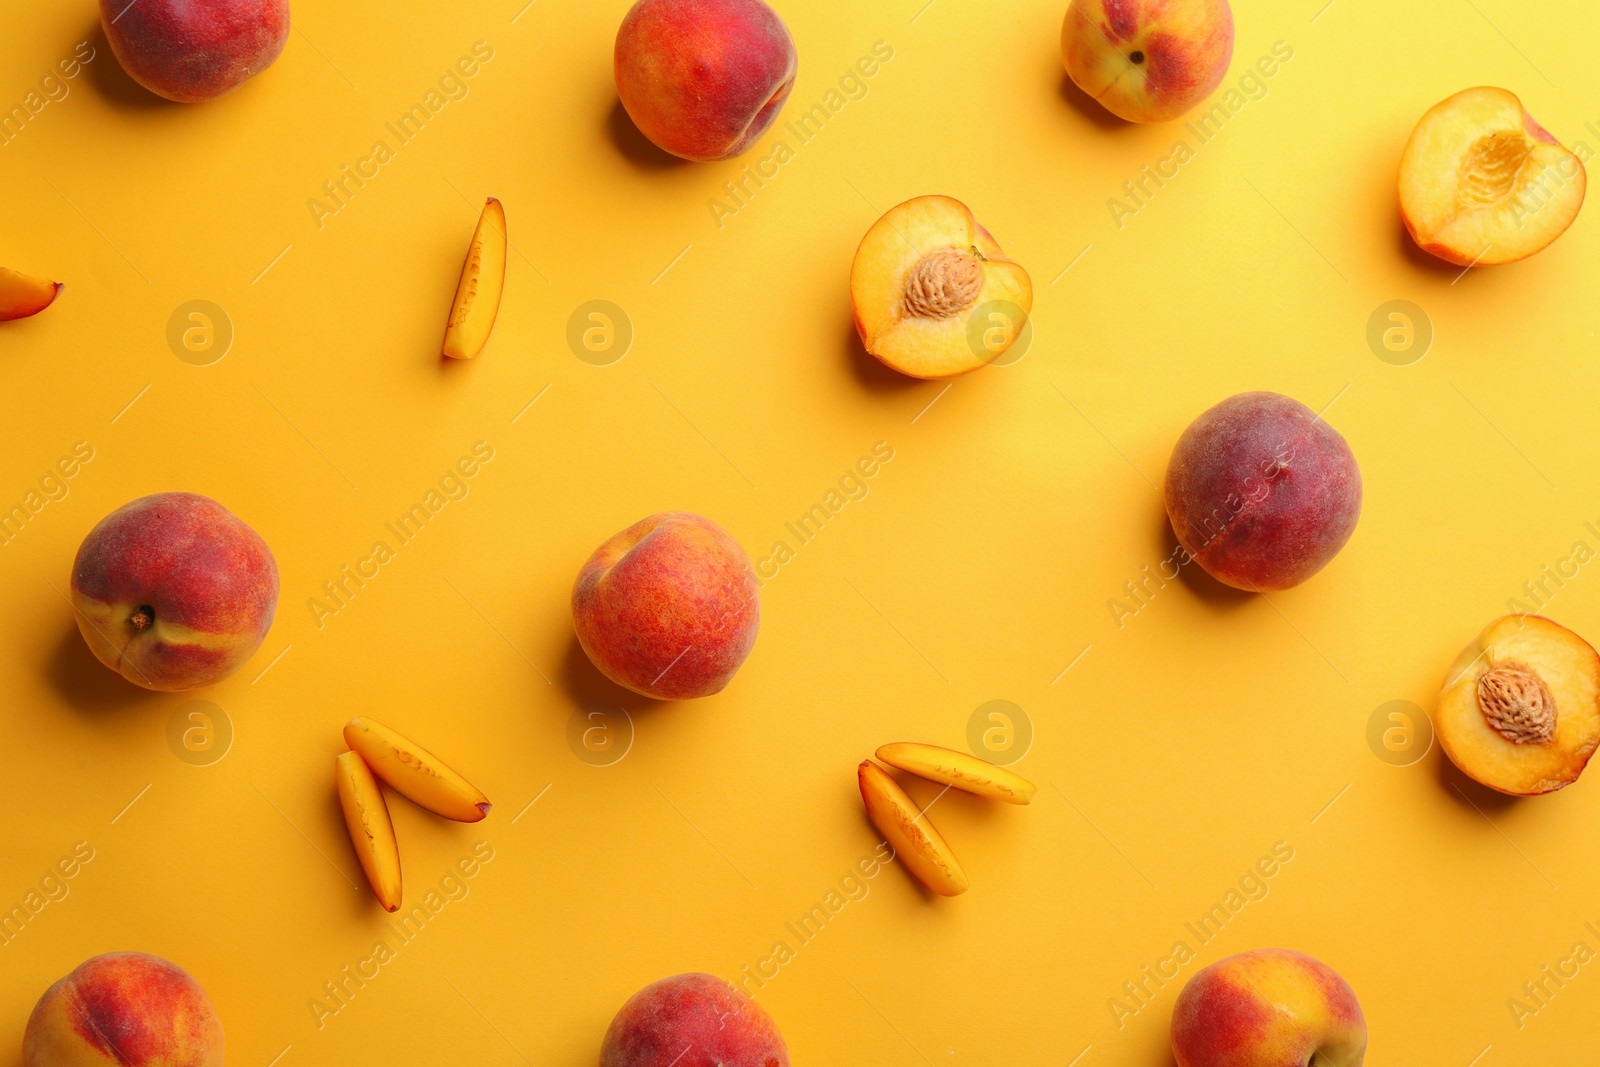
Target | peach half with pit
(1520,708)
(934,294)
(1482,183)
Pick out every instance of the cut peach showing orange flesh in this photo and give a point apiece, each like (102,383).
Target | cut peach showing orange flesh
(907,830)
(22,295)
(1520,709)
(1482,183)
(934,294)
(483,276)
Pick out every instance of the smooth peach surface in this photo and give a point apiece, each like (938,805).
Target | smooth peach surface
(906,829)
(124,1008)
(1261,492)
(1482,183)
(22,295)
(1147,60)
(692,1020)
(668,607)
(1268,1008)
(195,50)
(172,591)
(1520,707)
(703,79)
(933,292)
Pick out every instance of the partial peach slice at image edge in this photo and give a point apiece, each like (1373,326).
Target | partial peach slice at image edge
(22,295)
(914,840)
(415,773)
(920,275)
(1482,183)
(958,769)
(1520,708)
(366,816)
(483,276)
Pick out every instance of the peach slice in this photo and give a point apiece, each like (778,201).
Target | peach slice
(483,276)
(366,816)
(1482,183)
(914,840)
(22,295)
(1520,709)
(935,296)
(949,767)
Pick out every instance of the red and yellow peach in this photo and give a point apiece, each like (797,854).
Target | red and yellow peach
(195,50)
(703,79)
(1268,1008)
(692,1020)
(173,591)
(1147,60)
(126,1008)
(668,607)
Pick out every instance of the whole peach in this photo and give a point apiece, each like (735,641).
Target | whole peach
(125,1008)
(704,79)
(1262,492)
(195,50)
(692,1020)
(1147,60)
(1268,1008)
(173,592)
(668,607)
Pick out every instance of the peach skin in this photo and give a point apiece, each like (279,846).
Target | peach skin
(703,79)
(124,1008)
(692,1020)
(1482,183)
(195,50)
(1147,60)
(173,592)
(22,295)
(668,607)
(1268,1008)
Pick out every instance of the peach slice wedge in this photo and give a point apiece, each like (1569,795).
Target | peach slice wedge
(366,816)
(1520,708)
(934,294)
(414,772)
(952,768)
(22,295)
(914,840)
(1482,183)
(483,276)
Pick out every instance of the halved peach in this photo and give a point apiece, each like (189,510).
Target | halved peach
(483,276)
(1520,709)
(22,295)
(1482,183)
(934,294)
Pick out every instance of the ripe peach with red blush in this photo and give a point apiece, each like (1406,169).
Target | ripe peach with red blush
(127,1008)
(668,607)
(173,591)
(1262,492)
(1268,1008)
(195,50)
(1147,60)
(692,1020)
(704,79)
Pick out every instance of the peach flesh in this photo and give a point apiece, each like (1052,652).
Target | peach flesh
(692,1020)
(173,591)
(703,79)
(668,607)
(1261,492)
(195,50)
(124,1008)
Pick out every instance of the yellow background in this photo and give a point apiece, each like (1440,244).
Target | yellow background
(1171,756)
